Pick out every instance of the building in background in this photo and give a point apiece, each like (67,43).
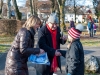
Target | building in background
(44,9)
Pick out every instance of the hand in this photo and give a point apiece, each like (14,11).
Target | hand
(41,51)
(64,37)
(57,53)
(68,74)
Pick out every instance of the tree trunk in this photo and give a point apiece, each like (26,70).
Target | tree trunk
(99,23)
(53,6)
(75,16)
(58,14)
(8,9)
(35,7)
(62,14)
(18,14)
(75,10)
(1,4)
(31,6)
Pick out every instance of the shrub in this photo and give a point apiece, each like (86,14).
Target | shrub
(8,26)
(19,25)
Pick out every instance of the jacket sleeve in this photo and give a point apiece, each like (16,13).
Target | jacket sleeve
(74,58)
(24,41)
(42,43)
(63,53)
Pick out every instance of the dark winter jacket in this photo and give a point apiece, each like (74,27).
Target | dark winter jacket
(75,58)
(72,24)
(22,47)
(45,42)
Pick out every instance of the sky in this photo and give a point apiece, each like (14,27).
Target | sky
(20,2)
(81,2)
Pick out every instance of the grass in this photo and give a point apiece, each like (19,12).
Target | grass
(91,42)
(5,42)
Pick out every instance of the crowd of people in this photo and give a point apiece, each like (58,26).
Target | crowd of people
(49,40)
(91,27)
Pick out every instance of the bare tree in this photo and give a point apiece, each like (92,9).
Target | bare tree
(8,9)
(53,5)
(18,14)
(31,6)
(61,5)
(73,5)
(96,4)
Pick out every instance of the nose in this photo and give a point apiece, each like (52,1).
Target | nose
(55,25)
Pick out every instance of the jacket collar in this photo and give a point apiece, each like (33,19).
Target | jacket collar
(76,40)
(32,31)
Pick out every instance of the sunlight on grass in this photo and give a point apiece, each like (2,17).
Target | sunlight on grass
(93,42)
(3,48)
(5,43)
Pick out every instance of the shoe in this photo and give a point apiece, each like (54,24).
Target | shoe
(54,74)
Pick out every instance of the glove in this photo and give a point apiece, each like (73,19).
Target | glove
(68,74)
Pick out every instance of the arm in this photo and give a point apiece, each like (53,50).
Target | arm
(63,53)
(42,43)
(24,41)
(74,58)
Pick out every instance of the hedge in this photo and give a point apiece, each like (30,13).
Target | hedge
(10,26)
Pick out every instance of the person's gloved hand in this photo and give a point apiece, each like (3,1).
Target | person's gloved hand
(68,74)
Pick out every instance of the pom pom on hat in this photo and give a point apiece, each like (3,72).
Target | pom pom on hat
(80,27)
(74,33)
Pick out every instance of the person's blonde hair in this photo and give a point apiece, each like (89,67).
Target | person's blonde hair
(32,21)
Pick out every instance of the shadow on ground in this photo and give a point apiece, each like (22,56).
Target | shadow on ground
(3,58)
(88,52)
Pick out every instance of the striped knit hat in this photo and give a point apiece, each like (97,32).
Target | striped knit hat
(74,33)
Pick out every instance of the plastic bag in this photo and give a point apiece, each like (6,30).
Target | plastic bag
(40,59)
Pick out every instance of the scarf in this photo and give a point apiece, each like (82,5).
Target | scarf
(54,64)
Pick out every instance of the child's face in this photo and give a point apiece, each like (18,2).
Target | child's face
(70,39)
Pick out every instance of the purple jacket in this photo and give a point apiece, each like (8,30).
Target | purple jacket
(72,24)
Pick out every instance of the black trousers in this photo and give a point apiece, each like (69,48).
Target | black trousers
(91,32)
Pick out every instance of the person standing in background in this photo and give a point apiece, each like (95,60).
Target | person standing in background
(94,28)
(90,27)
(72,23)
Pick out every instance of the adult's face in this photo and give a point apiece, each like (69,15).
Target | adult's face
(52,26)
(37,26)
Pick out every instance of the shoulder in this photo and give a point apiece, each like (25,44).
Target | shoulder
(76,43)
(23,32)
(42,28)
